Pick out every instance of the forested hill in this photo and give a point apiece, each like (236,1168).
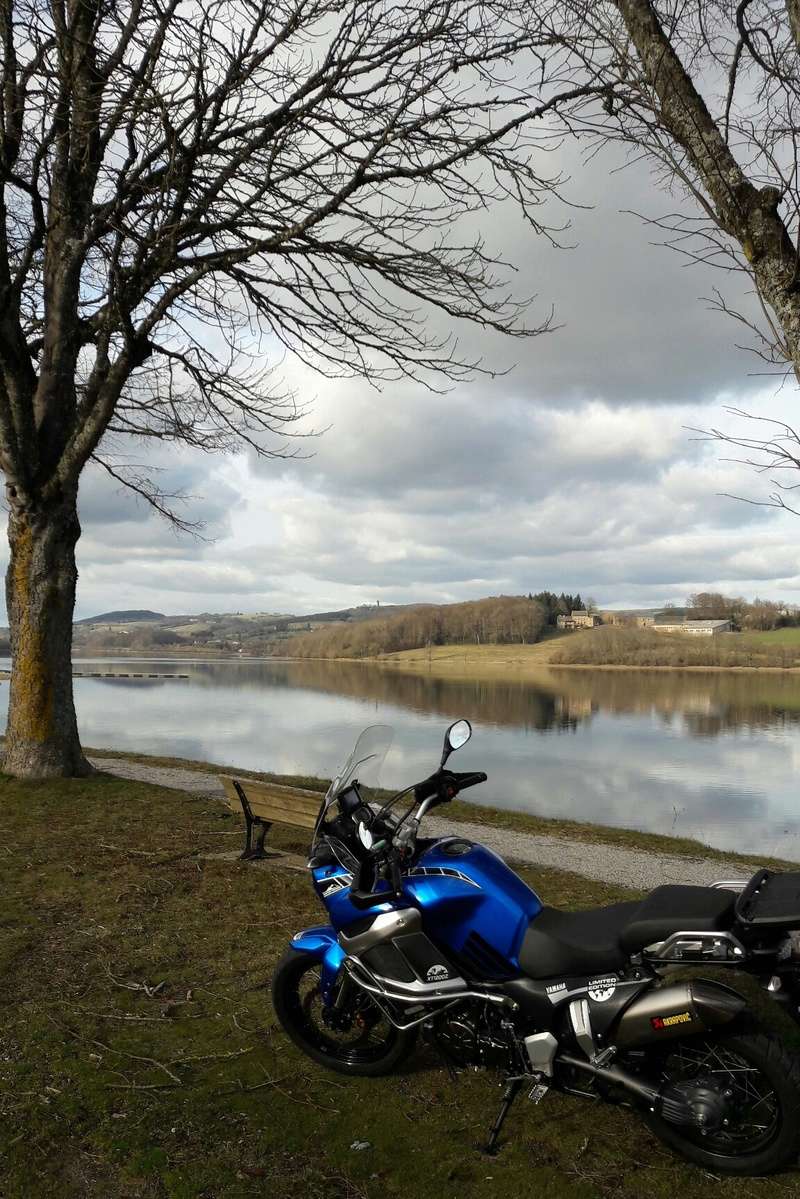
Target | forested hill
(499,620)
(129,616)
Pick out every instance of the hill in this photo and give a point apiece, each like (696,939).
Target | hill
(498,620)
(131,616)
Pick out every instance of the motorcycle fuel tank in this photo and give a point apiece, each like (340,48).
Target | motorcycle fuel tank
(473,905)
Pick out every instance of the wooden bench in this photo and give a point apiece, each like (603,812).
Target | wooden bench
(265,804)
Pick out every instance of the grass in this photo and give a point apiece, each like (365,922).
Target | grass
(788,636)
(491,817)
(644,648)
(608,647)
(506,661)
(140,1058)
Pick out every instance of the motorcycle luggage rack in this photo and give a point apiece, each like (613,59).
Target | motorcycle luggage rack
(770,901)
(686,947)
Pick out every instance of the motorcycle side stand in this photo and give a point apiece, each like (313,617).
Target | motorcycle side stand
(513,1087)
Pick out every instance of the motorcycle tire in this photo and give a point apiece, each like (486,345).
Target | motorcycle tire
(761,1084)
(370,1047)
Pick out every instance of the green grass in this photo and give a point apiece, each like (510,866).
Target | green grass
(459,810)
(789,636)
(140,1058)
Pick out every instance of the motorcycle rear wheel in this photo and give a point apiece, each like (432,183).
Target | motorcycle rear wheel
(761,1082)
(369,1047)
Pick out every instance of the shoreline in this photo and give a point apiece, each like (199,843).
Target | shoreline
(547,831)
(520,668)
(508,672)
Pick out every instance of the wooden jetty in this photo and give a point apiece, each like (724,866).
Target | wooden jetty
(100,674)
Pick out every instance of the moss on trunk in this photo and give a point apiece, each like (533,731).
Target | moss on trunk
(42,735)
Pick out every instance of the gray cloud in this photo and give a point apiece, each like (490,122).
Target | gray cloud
(575,470)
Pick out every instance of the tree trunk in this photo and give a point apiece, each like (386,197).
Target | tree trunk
(42,733)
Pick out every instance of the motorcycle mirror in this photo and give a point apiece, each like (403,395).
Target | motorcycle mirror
(365,836)
(457,735)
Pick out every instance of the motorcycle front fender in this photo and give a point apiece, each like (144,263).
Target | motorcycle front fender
(321,943)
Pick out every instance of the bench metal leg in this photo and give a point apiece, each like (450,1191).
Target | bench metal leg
(257,851)
(251,851)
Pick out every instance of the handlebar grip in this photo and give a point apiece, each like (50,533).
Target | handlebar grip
(428,787)
(470,779)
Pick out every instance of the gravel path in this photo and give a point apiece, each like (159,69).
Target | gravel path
(636,868)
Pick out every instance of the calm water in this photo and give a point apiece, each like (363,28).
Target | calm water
(708,756)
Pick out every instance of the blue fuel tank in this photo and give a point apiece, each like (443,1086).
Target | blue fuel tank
(473,906)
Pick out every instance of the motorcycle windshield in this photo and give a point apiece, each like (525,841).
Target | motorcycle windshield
(365,762)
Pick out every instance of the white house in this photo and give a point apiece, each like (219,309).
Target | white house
(697,628)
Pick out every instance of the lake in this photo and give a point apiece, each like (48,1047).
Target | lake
(709,756)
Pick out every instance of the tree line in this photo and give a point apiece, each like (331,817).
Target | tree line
(760,614)
(558,605)
(496,621)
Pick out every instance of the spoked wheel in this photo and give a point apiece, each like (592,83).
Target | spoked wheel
(358,1039)
(745,1090)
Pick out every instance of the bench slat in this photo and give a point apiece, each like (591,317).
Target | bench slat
(275,803)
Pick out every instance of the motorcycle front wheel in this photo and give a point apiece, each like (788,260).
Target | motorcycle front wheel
(755,1128)
(358,1040)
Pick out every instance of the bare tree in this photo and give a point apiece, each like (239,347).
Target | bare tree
(188,190)
(709,94)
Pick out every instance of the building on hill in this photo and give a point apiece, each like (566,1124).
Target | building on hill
(696,628)
(580,619)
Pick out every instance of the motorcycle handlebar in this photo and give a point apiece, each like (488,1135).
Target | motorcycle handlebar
(471,779)
(447,783)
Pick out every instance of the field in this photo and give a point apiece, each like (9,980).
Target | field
(139,1056)
(501,661)
(605,647)
(615,646)
(790,637)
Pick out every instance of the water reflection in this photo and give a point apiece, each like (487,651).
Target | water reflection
(712,756)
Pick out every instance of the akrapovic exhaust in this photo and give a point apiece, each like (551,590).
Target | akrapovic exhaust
(676,1011)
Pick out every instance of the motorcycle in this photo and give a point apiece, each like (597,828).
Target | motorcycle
(439,936)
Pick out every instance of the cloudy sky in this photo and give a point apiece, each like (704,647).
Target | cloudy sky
(574,471)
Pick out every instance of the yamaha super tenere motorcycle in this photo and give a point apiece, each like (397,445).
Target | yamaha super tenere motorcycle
(442,937)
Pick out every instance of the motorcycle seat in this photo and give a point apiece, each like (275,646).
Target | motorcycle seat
(577,943)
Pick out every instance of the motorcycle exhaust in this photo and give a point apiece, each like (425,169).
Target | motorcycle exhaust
(694,1103)
(661,1014)
(676,1011)
(614,1076)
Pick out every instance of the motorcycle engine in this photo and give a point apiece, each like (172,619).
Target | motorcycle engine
(471,1035)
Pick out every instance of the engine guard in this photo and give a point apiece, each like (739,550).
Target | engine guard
(321,943)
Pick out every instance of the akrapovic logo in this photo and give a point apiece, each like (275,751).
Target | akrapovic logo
(659,1022)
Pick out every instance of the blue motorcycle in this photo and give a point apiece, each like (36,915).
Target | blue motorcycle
(441,937)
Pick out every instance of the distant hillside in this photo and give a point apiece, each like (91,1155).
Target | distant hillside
(499,620)
(132,616)
(362,612)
